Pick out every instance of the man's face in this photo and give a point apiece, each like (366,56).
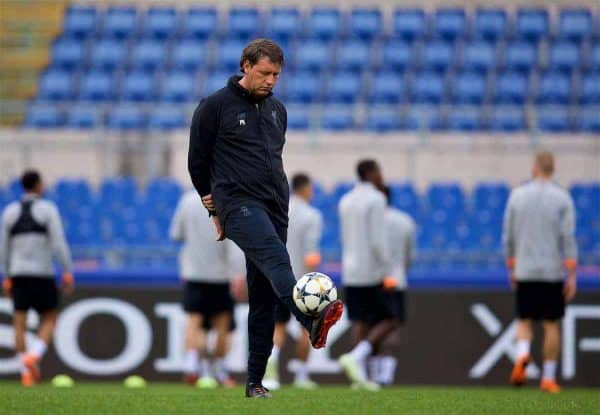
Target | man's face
(261,77)
(376,178)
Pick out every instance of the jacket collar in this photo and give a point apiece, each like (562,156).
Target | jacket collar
(234,84)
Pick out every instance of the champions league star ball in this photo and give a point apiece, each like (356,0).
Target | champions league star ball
(313,292)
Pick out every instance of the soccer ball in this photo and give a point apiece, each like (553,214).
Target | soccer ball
(313,292)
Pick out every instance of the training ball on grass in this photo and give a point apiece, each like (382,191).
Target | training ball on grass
(313,292)
(62,381)
(135,382)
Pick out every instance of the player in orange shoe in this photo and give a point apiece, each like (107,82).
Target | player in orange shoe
(549,385)
(27,379)
(518,377)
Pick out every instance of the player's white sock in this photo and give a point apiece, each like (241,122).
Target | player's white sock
(523,348)
(549,371)
(191,361)
(204,368)
(387,369)
(22,367)
(302,372)
(275,353)
(38,347)
(219,369)
(362,350)
(374,368)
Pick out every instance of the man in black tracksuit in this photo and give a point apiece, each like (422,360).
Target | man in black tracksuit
(236,141)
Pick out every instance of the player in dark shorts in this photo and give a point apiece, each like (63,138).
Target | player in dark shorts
(31,234)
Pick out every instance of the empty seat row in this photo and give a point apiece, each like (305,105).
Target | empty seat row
(162,22)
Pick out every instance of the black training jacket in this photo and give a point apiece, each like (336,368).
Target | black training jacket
(235,150)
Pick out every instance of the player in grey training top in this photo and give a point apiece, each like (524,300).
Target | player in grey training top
(31,232)
(539,242)
(304,235)
(401,233)
(365,262)
(207,267)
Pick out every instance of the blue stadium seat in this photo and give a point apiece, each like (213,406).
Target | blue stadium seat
(437,55)
(447,196)
(365,23)
(520,55)
(404,197)
(422,118)
(588,120)
(215,81)
(353,55)
(126,117)
(397,54)
(298,117)
(324,23)
(148,54)
(507,119)
(83,116)
(56,85)
(80,21)
(387,87)
(228,54)
(338,118)
(468,87)
(312,54)
(284,23)
(137,86)
(68,53)
(532,23)
(478,55)
(343,87)
(178,86)
(166,118)
(200,23)
(553,119)
(189,54)
(43,116)
(554,87)
(303,86)
(586,195)
(564,55)
(97,86)
(589,92)
(243,23)
(490,195)
(108,53)
(464,119)
(409,23)
(120,22)
(382,118)
(449,23)
(594,59)
(511,87)
(161,22)
(575,24)
(490,24)
(428,87)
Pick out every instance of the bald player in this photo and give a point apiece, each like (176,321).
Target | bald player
(540,247)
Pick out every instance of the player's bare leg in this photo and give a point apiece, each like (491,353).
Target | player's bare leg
(192,346)
(387,362)
(354,362)
(40,344)
(551,351)
(20,328)
(524,336)
(221,323)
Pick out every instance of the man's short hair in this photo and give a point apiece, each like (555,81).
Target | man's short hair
(299,181)
(261,48)
(545,162)
(365,167)
(30,179)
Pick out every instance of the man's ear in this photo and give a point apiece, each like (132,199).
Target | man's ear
(246,66)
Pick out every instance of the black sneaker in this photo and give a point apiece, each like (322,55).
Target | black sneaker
(322,324)
(257,390)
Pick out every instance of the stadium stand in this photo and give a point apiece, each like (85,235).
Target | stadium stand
(528,58)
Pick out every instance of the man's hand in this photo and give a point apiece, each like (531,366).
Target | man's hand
(208,203)
(68,283)
(220,232)
(7,287)
(570,287)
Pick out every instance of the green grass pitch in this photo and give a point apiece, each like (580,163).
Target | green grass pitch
(110,398)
